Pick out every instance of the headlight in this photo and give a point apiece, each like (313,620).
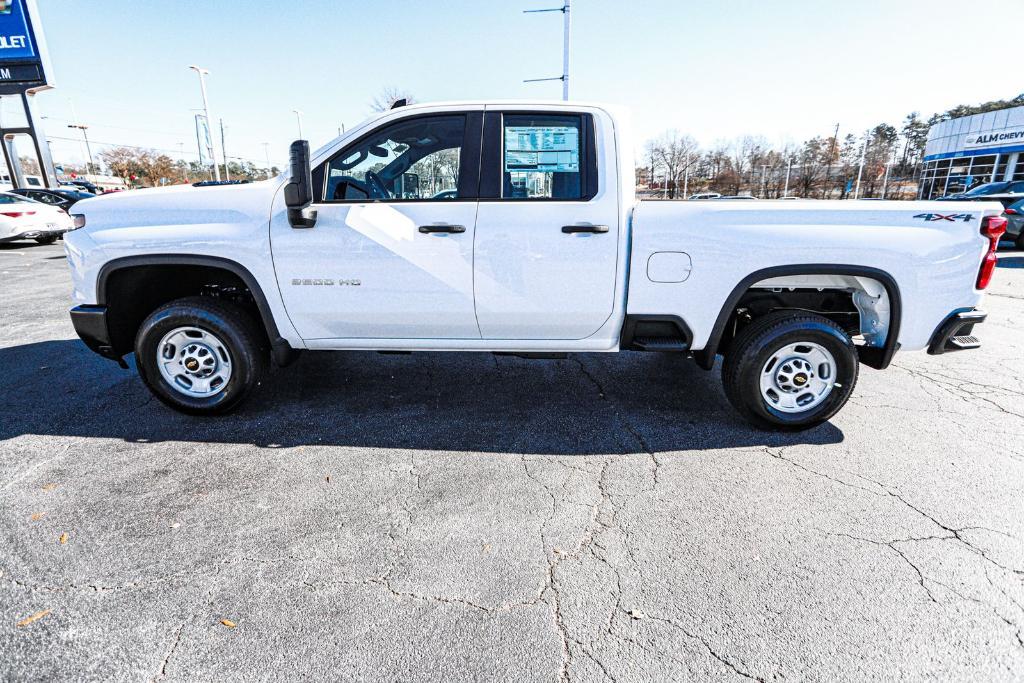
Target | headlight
(79,221)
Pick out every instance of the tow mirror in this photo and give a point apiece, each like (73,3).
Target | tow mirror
(298,193)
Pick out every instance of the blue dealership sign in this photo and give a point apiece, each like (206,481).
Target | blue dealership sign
(24,66)
(16,40)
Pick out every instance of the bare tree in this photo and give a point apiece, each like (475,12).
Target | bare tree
(673,154)
(388,96)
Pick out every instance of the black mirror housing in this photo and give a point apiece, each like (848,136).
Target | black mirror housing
(298,193)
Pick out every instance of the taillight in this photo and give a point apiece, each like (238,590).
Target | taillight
(17,214)
(1012,212)
(993,228)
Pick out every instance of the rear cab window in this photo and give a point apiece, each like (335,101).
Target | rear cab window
(542,156)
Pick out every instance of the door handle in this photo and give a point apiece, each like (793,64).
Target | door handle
(572,229)
(426,229)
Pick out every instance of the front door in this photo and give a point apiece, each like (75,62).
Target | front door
(547,229)
(391,255)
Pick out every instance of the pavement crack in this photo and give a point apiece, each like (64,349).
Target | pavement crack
(170,652)
(732,666)
(625,422)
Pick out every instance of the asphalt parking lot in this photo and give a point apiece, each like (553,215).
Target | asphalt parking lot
(469,517)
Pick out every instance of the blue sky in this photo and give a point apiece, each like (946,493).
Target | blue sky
(781,69)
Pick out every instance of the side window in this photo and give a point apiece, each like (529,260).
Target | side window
(413,159)
(542,157)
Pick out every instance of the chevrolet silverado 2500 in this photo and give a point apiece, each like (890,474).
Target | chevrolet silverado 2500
(513,227)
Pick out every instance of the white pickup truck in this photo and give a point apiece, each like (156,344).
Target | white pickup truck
(514,228)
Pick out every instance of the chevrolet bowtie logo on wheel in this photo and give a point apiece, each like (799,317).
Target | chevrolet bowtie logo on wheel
(952,217)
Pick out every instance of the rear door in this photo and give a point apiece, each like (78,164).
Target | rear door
(391,254)
(547,227)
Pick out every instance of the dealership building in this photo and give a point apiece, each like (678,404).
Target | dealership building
(963,153)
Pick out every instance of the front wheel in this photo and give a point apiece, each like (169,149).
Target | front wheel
(200,356)
(790,371)
(49,239)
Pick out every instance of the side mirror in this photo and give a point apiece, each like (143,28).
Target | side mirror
(298,193)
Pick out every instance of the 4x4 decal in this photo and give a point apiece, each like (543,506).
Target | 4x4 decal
(965,217)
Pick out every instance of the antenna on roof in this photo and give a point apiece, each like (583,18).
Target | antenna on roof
(400,102)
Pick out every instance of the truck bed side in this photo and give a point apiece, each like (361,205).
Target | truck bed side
(933,259)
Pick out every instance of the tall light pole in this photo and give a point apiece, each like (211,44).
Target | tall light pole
(206,112)
(298,118)
(224,151)
(566,40)
(82,127)
(789,167)
(266,153)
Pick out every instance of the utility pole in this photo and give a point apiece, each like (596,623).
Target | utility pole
(888,166)
(860,168)
(206,111)
(266,153)
(828,167)
(764,180)
(82,127)
(789,167)
(224,151)
(686,181)
(566,42)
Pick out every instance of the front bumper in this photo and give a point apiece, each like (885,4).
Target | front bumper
(33,234)
(954,334)
(90,323)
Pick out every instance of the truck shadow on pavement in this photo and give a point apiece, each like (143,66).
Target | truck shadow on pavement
(475,402)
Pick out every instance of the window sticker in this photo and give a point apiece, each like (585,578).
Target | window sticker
(552,149)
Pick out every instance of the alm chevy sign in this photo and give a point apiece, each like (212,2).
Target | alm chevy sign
(995,138)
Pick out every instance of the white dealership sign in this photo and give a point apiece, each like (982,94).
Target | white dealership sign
(994,138)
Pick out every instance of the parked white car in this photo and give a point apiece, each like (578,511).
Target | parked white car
(22,218)
(513,227)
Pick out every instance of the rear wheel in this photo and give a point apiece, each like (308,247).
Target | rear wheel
(1020,240)
(790,371)
(200,356)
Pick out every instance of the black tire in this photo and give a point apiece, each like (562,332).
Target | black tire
(49,239)
(1020,241)
(754,346)
(232,324)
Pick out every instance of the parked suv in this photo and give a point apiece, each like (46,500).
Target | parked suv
(1015,222)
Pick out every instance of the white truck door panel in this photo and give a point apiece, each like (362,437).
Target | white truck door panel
(366,271)
(391,254)
(546,237)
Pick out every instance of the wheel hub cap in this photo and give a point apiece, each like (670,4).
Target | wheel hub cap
(798,377)
(194,362)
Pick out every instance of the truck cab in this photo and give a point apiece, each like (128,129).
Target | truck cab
(458,223)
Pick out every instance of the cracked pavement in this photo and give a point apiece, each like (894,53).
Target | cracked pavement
(472,517)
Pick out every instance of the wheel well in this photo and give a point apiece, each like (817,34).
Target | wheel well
(133,292)
(835,304)
(863,301)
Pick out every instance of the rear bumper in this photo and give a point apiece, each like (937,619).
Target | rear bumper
(91,326)
(954,334)
(33,234)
